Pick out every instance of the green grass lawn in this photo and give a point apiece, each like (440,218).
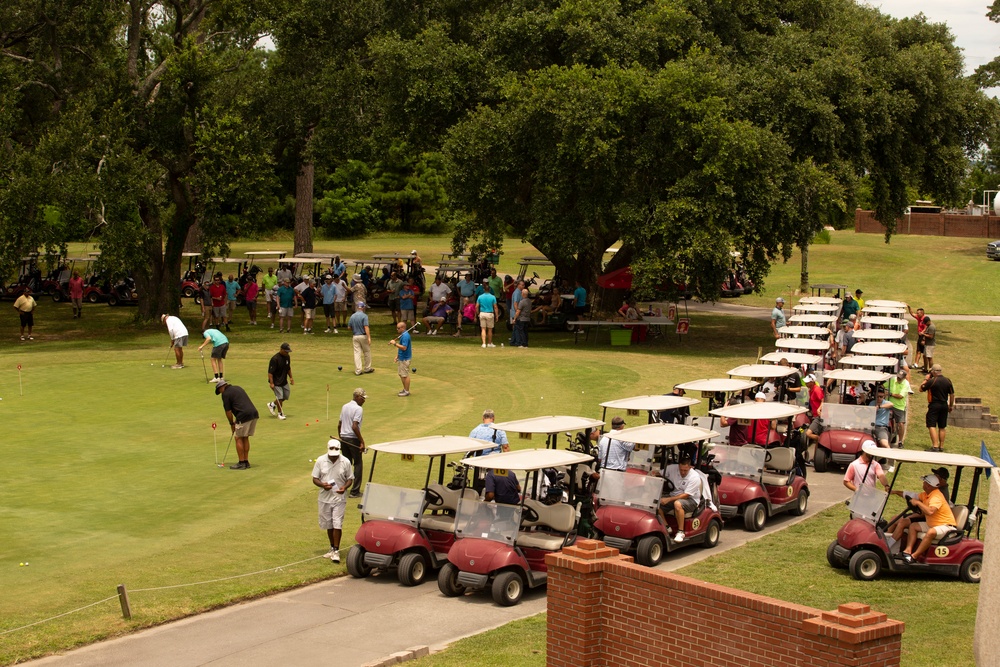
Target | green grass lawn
(110,472)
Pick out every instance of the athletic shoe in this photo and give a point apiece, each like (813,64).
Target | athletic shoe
(329,554)
(328,330)
(679,537)
(403,393)
(370,370)
(354,494)
(908,558)
(335,330)
(484,346)
(22,337)
(305,332)
(271,409)
(891,469)
(272,325)
(31,338)
(227,327)
(239,466)
(357,372)
(336,556)
(214,380)
(176,366)
(491,345)
(282,417)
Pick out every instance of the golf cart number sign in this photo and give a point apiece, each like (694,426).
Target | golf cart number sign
(499,472)
(708,394)
(524,436)
(632,413)
(789,489)
(407,457)
(695,524)
(641,447)
(942,552)
(743,422)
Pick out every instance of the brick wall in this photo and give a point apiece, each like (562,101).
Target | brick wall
(604,610)
(932,224)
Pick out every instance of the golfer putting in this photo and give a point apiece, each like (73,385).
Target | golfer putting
(220,347)
(178,338)
(242,416)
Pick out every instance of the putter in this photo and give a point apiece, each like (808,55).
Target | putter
(223,464)
(169,350)
(203,367)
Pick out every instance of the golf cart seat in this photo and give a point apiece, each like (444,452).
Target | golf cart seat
(559,517)
(780,462)
(961,513)
(441,519)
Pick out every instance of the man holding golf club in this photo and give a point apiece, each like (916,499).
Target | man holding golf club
(178,337)
(242,416)
(332,474)
(279,378)
(349,430)
(404,353)
(220,347)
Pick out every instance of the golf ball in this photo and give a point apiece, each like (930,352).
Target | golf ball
(22,564)
(414,370)
(501,344)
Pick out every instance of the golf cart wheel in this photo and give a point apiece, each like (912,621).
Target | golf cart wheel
(865,565)
(831,556)
(821,460)
(93,297)
(356,562)
(754,516)
(508,587)
(187,292)
(57,295)
(801,504)
(112,300)
(448,581)
(649,551)
(972,569)
(412,569)
(712,534)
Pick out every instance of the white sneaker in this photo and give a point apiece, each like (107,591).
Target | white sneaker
(328,330)
(679,537)
(484,345)
(491,345)
(335,330)
(329,554)
(214,380)
(282,417)
(272,325)
(270,408)
(336,556)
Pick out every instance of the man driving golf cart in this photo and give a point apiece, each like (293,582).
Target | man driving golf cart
(938,519)
(686,494)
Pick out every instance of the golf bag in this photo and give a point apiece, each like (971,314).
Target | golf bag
(797,440)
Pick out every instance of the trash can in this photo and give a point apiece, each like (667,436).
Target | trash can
(621,337)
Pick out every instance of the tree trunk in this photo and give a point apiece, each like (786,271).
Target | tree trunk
(804,273)
(304,208)
(158,282)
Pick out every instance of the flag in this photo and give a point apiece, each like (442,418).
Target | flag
(984,454)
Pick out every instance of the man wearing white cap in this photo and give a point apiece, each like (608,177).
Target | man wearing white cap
(332,474)
(864,472)
(777,316)
(938,518)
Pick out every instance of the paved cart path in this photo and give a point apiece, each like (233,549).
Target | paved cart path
(352,622)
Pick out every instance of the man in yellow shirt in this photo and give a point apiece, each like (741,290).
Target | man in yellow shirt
(861,302)
(937,515)
(25,307)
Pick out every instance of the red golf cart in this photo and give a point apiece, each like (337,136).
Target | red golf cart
(846,424)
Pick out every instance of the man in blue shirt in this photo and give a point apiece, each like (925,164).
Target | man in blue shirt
(486,432)
(486,307)
(232,289)
(286,306)
(883,409)
(579,299)
(466,287)
(220,347)
(777,317)
(404,353)
(329,292)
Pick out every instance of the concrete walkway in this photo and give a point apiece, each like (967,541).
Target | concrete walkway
(352,622)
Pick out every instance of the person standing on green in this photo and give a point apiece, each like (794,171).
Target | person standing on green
(270,282)
(220,347)
(286,306)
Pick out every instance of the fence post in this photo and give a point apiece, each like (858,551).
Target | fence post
(123,599)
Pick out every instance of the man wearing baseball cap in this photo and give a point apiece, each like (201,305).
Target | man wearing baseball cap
(777,316)
(242,416)
(361,340)
(937,515)
(940,404)
(332,474)
(279,378)
(612,452)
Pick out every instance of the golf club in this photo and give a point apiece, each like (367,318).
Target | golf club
(407,331)
(203,367)
(223,464)
(169,350)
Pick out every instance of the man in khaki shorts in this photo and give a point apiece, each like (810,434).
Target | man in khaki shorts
(332,474)
(404,353)
(242,416)
(486,308)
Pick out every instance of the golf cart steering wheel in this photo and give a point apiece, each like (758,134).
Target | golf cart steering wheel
(668,486)
(433,497)
(529,514)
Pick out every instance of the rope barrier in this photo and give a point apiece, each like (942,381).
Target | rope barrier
(46,620)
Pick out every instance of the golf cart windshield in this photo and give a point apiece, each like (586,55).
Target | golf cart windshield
(392,503)
(489,521)
(867,503)
(629,489)
(745,461)
(849,417)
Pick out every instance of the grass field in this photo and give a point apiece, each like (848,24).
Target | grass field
(110,472)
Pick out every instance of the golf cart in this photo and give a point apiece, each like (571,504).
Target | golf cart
(411,530)
(827,309)
(883,311)
(827,300)
(877,348)
(193,276)
(718,391)
(627,516)
(504,546)
(894,335)
(61,293)
(756,482)
(801,360)
(882,322)
(800,331)
(653,405)
(846,424)
(807,345)
(750,415)
(550,427)
(123,292)
(862,544)
(812,319)
(887,364)
(829,291)
(770,376)
(886,303)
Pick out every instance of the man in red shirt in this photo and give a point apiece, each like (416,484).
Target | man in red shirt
(218,292)
(76,294)
(815,395)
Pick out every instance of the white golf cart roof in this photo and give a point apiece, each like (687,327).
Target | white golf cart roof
(529,459)
(266,253)
(878,348)
(83,259)
(816,308)
(856,375)
(879,334)
(725,385)
(548,425)
(930,458)
(881,321)
(812,318)
(393,255)
(762,371)
(226,260)
(869,361)
(433,445)
(664,435)
(824,300)
(885,303)
(653,402)
(803,331)
(759,411)
(897,313)
(794,358)
(316,255)
(302,260)
(801,344)
(190,254)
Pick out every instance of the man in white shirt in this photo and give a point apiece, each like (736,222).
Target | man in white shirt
(685,497)
(614,453)
(332,474)
(438,290)
(349,430)
(178,337)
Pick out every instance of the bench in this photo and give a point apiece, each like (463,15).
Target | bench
(440,519)
(560,518)
(961,513)
(778,466)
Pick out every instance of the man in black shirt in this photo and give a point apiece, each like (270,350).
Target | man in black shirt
(242,416)
(941,402)
(503,489)
(308,299)
(279,378)
(675,415)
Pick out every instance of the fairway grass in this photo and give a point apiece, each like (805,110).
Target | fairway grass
(110,474)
